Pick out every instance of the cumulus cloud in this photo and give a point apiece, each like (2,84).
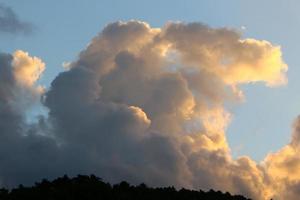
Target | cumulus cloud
(283,166)
(10,22)
(21,152)
(145,104)
(27,70)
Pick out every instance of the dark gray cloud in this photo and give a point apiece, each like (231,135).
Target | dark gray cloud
(10,22)
(22,154)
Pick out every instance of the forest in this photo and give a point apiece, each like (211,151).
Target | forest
(91,187)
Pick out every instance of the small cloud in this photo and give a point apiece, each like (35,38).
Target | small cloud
(66,65)
(243,28)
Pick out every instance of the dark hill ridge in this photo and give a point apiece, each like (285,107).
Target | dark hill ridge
(93,188)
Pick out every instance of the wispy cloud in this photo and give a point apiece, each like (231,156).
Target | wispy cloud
(10,22)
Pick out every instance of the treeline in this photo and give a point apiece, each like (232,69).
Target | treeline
(93,188)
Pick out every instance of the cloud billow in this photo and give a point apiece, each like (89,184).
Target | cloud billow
(143,104)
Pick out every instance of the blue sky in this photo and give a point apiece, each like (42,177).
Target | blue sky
(260,125)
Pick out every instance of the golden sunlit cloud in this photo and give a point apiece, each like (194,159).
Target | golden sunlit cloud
(27,70)
(151,100)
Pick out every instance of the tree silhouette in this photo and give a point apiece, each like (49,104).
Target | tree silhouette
(93,188)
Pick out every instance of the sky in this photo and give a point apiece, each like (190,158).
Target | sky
(261,123)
